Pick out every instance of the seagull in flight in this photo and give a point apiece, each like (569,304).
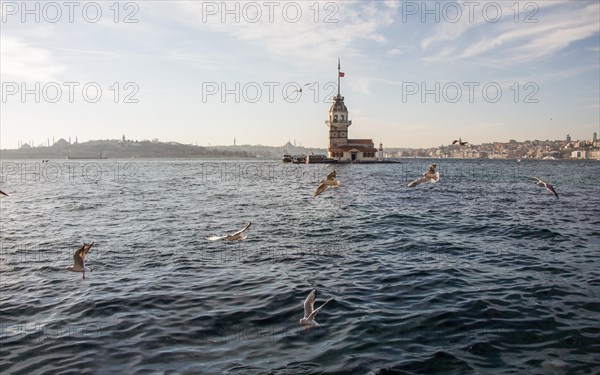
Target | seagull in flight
(430,176)
(79,259)
(309,310)
(328,182)
(297,90)
(546,185)
(237,236)
(3,193)
(460,142)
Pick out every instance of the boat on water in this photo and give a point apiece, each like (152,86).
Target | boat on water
(323,159)
(299,159)
(87,157)
(316,159)
(308,159)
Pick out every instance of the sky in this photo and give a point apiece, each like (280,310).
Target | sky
(417,74)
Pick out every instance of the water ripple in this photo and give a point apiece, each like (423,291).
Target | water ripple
(481,273)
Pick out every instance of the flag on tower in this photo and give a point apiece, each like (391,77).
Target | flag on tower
(342,74)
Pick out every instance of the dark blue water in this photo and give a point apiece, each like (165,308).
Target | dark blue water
(481,273)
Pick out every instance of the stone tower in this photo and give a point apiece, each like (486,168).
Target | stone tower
(338,121)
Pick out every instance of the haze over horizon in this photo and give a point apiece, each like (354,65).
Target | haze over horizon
(193,72)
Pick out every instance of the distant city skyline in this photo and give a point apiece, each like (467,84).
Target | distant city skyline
(417,74)
(48,143)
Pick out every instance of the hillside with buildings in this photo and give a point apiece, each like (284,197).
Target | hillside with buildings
(558,149)
(128,149)
(117,149)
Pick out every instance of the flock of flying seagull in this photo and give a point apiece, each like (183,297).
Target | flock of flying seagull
(430,176)
(329,181)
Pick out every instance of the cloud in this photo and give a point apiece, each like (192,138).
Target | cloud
(558,25)
(361,85)
(335,30)
(400,50)
(24,62)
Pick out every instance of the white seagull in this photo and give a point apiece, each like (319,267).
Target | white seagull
(430,176)
(309,310)
(546,185)
(328,182)
(79,259)
(237,236)
(299,90)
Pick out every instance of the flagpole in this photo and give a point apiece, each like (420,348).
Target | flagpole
(339,77)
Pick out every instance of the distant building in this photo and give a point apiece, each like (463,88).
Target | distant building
(595,138)
(568,138)
(579,154)
(340,147)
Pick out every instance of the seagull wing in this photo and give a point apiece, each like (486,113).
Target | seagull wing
(320,189)
(297,90)
(535,178)
(315,312)
(331,176)
(418,181)
(242,230)
(551,189)
(79,257)
(216,238)
(86,249)
(3,193)
(309,303)
(290,94)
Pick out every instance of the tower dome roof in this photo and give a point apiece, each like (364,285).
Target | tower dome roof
(338,104)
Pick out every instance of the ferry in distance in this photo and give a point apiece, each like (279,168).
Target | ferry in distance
(86,157)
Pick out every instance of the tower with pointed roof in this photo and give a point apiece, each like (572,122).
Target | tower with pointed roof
(338,121)
(340,147)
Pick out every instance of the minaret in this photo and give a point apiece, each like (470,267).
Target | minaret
(380,151)
(338,121)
